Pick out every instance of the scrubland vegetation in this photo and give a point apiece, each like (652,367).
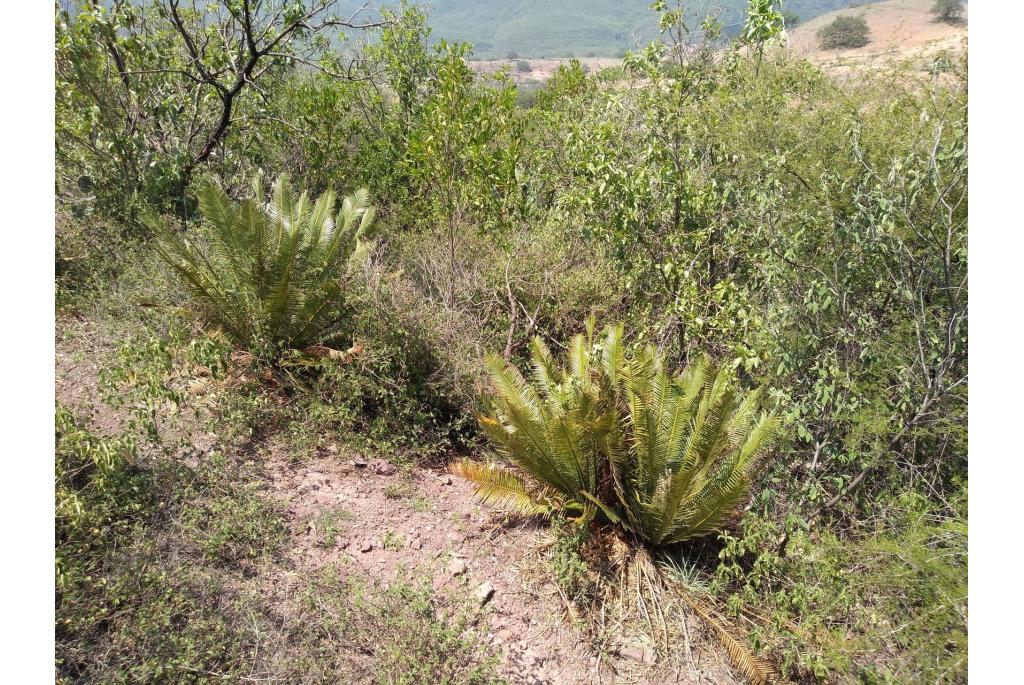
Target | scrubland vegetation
(845,32)
(703,314)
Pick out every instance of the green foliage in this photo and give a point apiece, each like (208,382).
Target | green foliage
(126,611)
(570,569)
(464,147)
(845,32)
(884,603)
(554,427)
(949,11)
(137,380)
(150,91)
(809,233)
(677,449)
(272,276)
(685,448)
(764,22)
(100,497)
(87,256)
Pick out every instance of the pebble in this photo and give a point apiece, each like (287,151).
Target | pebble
(484,592)
(383,468)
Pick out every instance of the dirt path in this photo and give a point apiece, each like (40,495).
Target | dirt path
(413,521)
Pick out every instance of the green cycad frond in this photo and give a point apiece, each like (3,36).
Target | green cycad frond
(503,488)
(693,443)
(273,275)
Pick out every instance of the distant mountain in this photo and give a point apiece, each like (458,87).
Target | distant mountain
(559,28)
(580,28)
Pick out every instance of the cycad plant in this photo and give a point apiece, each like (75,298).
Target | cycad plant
(272,275)
(667,456)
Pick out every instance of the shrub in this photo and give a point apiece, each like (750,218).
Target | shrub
(882,602)
(99,497)
(668,456)
(87,254)
(272,276)
(523,67)
(949,11)
(844,32)
(132,605)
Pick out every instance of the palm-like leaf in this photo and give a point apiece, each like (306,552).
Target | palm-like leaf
(552,426)
(272,275)
(692,444)
(503,488)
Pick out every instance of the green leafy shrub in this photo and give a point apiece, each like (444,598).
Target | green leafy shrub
(949,11)
(668,456)
(126,612)
(272,276)
(883,602)
(844,32)
(137,381)
(100,496)
(87,255)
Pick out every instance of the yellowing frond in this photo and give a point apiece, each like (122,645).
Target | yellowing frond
(500,487)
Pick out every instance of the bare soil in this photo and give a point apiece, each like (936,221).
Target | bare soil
(540,69)
(899,30)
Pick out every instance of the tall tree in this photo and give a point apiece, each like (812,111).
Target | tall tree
(152,90)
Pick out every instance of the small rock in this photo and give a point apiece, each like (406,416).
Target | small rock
(367,546)
(640,653)
(484,592)
(417,543)
(359,463)
(458,568)
(444,480)
(383,468)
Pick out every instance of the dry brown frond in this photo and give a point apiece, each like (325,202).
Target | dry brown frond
(757,670)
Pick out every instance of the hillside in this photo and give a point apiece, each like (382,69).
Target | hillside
(899,29)
(578,28)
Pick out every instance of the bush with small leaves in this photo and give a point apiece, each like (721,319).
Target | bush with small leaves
(845,32)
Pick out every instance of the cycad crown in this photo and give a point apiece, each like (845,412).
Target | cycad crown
(668,457)
(272,275)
